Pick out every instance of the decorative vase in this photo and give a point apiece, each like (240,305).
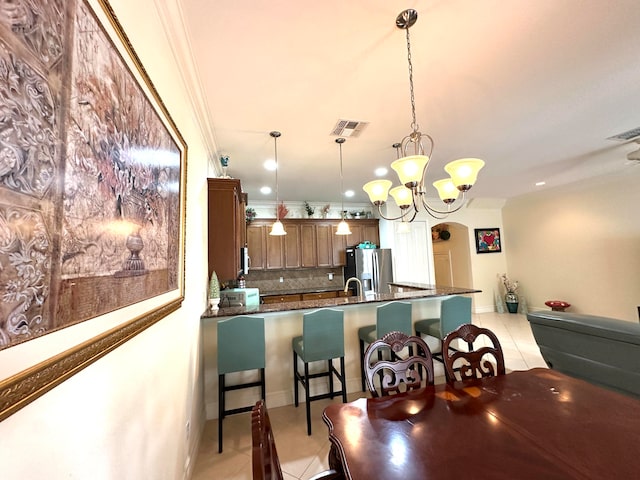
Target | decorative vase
(213,303)
(511,299)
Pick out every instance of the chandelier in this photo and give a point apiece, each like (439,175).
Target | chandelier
(410,195)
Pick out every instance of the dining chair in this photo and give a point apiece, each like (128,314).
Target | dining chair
(264,455)
(390,317)
(481,360)
(322,339)
(397,373)
(454,311)
(241,348)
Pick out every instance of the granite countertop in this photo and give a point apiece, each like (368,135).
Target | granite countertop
(336,302)
(423,286)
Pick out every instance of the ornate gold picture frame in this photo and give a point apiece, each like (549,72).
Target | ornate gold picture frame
(92,192)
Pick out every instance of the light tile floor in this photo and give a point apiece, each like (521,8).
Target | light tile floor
(303,456)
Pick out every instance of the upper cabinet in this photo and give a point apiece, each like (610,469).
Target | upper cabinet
(309,243)
(226,231)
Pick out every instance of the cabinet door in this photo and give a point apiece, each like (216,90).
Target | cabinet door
(309,246)
(338,247)
(371,233)
(324,235)
(357,234)
(275,252)
(292,246)
(223,245)
(256,242)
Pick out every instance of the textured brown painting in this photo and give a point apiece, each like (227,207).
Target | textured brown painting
(89,174)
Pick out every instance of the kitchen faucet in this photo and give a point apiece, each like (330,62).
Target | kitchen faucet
(346,286)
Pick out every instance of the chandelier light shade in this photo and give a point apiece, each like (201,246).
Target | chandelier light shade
(343,226)
(378,190)
(411,168)
(277,228)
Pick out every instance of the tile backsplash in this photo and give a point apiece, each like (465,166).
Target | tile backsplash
(303,279)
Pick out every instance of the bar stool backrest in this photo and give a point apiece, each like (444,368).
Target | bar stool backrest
(393,317)
(240,344)
(323,334)
(454,311)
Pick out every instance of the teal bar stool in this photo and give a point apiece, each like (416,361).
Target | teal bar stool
(390,317)
(322,339)
(240,348)
(454,311)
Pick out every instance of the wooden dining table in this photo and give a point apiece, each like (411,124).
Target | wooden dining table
(534,424)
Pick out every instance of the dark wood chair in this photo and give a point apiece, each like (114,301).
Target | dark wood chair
(479,361)
(398,374)
(265,462)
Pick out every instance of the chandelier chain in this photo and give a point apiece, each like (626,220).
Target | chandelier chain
(414,124)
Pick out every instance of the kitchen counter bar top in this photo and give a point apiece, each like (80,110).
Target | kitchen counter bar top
(429,291)
(423,286)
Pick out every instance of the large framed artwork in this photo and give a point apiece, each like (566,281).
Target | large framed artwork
(488,240)
(92,188)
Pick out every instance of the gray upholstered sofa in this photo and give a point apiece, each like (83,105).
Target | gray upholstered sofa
(601,350)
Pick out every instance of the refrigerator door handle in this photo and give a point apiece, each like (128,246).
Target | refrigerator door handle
(376,273)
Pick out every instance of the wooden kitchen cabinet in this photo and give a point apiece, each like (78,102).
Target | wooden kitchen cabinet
(324,245)
(226,226)
(275,251)
(338,248)
(294,297)
(292,247)
(309,243)
(257,245)
(319,295)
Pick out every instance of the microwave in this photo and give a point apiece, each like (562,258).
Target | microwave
(239,297)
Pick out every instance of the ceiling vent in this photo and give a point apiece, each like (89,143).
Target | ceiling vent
(626,136)
(349,128)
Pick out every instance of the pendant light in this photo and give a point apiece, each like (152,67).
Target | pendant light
(410,196)
(343,226)
(277,228)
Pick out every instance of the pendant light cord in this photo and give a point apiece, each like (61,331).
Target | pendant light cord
(275,136)
(340,141)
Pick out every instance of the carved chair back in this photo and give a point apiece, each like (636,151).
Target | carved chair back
(397,374)
(481,360)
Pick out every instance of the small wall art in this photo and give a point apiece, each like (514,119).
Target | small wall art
(488,240)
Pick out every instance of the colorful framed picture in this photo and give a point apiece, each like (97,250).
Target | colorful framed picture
(488,240)
(92,193)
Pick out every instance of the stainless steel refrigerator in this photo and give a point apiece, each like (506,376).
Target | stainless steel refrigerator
(372,266)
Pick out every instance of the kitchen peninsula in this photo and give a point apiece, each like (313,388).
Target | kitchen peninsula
(283,321)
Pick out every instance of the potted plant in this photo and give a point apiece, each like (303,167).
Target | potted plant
(325,210)
(510,297)
(250,214)
(214,291)
(309,209)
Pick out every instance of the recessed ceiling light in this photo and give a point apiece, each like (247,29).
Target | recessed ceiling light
(381,172)
(265,190)
(270,165)
(539,184)
(349,193)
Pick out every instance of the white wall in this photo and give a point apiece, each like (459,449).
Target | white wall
(125,416)
(580,244)
(485,267)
